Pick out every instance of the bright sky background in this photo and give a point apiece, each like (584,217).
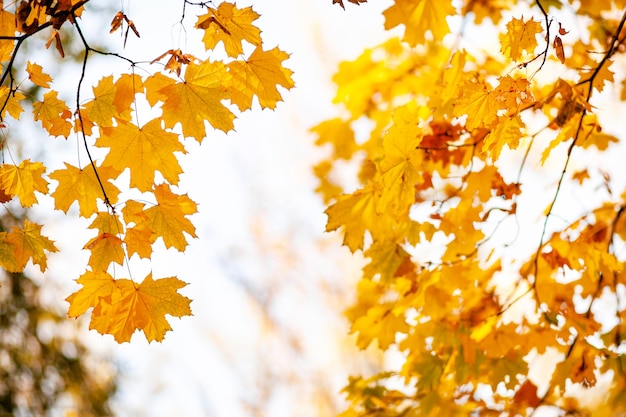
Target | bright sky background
(268,284)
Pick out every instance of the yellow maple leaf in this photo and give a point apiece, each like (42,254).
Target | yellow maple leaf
(95,285)
(8,260)
(105,248)
(140,307)
(37,76)
(153,86)
(259,75)
(7,28)
(512,94)
(355,213)
(520,38)
(478,102)
(82,186)
(507,132)
(53,114)
(126,87)
(139,238)
(12,100)
(400,168)
(231,26)
(420,17)
(601,76)
(29,243)
(143,151)
(106,222)
(139,241)
(23,180)
(339,134)
(381,324)
(199,99)
(134,212)
(167,219)
(102,109)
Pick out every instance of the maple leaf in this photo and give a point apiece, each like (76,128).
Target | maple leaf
(418,18)
(140,307)
(102,110)
(507,132)
(138,239)
(126,87)
(37,76)
(143,151)
(7,28)
(53,114)
(354,212)
(399,168)
(95,285)
(520,37)
(513,94)
(8,260)
(601,76)
(12,100)
(231,26)
(29,243)
(167,219)
(379,324)
(478,102)
(199,99)
(82,186)
(385,260)
(23,180)
(105,248)
(106,222)
(339,134)
(259,75)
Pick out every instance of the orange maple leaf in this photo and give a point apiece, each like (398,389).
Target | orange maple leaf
(23,180)
(140,307)
(96,285)
(259,76)
(139,238)
(199,99)
(143,151)
(105,249)
(37,76)
(53,114)
(231,26)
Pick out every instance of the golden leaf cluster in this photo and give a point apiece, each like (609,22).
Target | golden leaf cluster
(188,96)
(459,280)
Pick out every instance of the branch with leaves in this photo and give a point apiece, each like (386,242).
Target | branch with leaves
(189,94)
(471,309)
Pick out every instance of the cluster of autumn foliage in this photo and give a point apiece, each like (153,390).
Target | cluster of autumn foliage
(107,118)
(460,146)
(448,135)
